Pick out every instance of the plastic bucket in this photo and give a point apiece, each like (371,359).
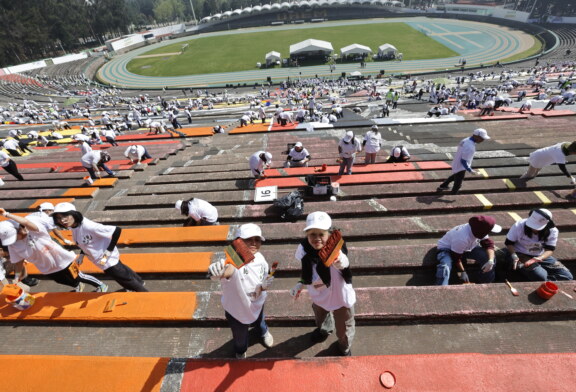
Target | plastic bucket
(547,290)
(17,297)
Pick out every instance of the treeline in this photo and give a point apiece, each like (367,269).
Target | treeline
(36,29)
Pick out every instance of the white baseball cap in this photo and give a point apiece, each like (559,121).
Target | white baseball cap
(46,206)
(349,135)
(64,207)
(482,133)
(268,157)
(318,220)
(8,232)
(298,144)
(539,218)
(249,230)
(374,127)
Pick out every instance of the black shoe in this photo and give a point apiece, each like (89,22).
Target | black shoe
(441,189)
(30,281)
(319,336)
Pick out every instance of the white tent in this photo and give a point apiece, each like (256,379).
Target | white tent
(356,73)
(387,49)
(272,57)
(313,46)
(355,49)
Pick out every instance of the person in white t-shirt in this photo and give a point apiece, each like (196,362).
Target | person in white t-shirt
(330,288)
(244,291)
(372,144)
(398,154)
(28,239)
(530,244)
(137,153)
(469,240)
(555,154)
(348,146)
(9,165)
(298,156)
(95,160)
(259,162)
(198,212)
(45,210)
(98,243)
(110,136)
(462,162)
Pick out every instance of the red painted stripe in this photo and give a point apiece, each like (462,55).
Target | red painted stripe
(368,178)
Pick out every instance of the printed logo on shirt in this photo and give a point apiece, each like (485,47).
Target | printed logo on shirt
(86,239)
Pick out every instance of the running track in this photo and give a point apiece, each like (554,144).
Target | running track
(479,43)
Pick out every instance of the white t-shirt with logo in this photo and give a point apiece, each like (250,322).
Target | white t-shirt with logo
(547,156)
(459,239)
(298,156)
(466,151)
(238,291)
(339,294)
(93,238)
(372,142)
(39,248)
(530,245)
(198,209)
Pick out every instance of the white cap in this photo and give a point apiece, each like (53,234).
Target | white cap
(249,230)
(538,219)
(397,152)
(8,232)
(482,133)
(64,207)
(134,149)
(318,220)
(46,206)
(268,157)
(374,127)
(349,135)
(298,144)
(178,205)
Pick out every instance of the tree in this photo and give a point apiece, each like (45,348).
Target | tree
(168,10)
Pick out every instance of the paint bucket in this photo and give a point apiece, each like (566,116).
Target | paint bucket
(335,188)
(88,180)
(547,290)
(323,167)
(18,297)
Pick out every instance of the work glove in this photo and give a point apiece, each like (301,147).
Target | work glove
(515,261)
(464,277)
(533,262)
(217,270)
(295,291)
(487,267)
(341,262)
(267,282)
(68,242)
(573,180)
(104,258)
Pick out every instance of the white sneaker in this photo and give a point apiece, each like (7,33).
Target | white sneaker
(79,288)
(241,356)
(102,288)
(268,340)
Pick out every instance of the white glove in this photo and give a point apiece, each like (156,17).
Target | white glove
(267,282)
(476,172)
(217,270)
(341,262)
(487,267)
(295,291)
(80,259)
(68,242)
(464,277)
(104,258)
(572,180)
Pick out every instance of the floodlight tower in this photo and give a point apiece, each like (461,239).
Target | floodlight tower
(193,13)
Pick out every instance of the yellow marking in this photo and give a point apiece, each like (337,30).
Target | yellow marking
(483,172)
(515,216)
(487,204)
(542,197)
(574,211)
(509,184)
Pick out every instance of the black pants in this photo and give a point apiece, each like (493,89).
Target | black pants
(24,146)
(13,169)
(111,141)
(457,178)
(66,277)
(13,153)
(125,277)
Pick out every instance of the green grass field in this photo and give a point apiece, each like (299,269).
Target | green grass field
(240,52)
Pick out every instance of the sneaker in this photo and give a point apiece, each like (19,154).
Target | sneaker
(267,340)
(79,288)
(102,288)
(30,281)
(442,189)
(112,175)
(319,336)
(347,353)
(241,356)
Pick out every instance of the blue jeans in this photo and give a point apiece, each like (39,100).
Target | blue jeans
(346,164)
(547,269)
(240,331)
(146,155)
(445,262)
(101,166)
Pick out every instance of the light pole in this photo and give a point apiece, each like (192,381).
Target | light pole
(193,13)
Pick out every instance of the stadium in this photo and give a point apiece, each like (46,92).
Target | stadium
(207,107)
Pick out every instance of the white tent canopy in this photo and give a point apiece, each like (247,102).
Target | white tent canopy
(273,56)
(387,49)
(355,49)
(311,45)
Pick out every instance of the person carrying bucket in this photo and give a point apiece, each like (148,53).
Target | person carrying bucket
(29,239)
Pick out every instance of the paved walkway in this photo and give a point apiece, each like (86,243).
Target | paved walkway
(479,43)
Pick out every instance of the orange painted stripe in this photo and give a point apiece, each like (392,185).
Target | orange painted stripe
(161,235)
(80,192)
(282,182)
(64,373)
(193,262)
(251,128)
(198,131)
(37,203)
(105,182)
(90,307)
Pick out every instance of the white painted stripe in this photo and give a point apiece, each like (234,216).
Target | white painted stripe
(377,206)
